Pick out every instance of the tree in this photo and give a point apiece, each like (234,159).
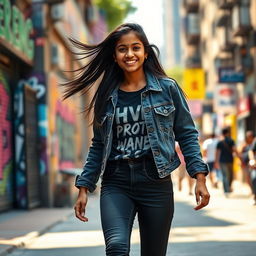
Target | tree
(115,10)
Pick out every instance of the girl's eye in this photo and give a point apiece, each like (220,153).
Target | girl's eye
(136,48)
(121,49)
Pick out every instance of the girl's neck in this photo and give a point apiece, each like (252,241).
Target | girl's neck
(133,82)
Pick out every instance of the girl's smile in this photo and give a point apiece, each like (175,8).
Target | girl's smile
(130,53)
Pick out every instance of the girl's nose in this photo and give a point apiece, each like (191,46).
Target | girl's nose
(129,53)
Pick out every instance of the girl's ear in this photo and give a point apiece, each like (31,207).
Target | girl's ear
(146,56)
(114,57)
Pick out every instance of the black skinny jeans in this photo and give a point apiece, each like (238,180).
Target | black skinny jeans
(131,187)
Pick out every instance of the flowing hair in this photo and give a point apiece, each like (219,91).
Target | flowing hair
(101,65)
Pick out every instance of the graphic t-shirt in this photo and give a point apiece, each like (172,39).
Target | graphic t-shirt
(130,139)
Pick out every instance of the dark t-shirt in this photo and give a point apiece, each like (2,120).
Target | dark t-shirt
(130,139)
(225,147)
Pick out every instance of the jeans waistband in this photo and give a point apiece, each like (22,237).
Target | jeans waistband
(132,160)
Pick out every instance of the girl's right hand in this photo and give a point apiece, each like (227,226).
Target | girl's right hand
(81,204)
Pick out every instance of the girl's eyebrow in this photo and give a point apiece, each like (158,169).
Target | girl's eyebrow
(126,44)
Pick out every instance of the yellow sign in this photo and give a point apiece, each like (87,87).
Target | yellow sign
(194,83)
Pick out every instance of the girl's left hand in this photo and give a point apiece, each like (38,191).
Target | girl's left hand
(201,192)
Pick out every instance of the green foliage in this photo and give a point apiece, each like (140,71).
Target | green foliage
(176,73)
(116,10)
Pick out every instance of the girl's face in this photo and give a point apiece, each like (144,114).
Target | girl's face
(130,53)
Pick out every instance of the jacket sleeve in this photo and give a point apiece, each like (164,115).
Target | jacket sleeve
(186,134)
(92,167)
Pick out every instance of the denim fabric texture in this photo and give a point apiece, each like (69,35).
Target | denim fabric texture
(167,120)
(131,187)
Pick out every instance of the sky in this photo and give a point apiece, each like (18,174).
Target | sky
(149,15)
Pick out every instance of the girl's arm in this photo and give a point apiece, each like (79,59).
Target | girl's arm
(90,175)
(92,168)
(186,134)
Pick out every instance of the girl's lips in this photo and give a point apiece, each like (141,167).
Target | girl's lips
(130,62)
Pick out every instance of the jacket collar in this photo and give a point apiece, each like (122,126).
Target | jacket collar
(152,85)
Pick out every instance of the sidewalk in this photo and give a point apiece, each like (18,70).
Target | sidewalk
(18,227)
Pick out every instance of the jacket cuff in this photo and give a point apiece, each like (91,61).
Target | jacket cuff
(83,182)
(195,171)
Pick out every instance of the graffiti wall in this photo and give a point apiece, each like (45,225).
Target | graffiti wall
(37,82)
(6,151)
(63,128)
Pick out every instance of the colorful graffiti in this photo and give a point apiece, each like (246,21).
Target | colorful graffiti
(62,127)
(37,82)
(65,126)
(5,139)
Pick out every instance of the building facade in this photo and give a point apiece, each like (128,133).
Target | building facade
(172,34)
(43,137)
(222,35)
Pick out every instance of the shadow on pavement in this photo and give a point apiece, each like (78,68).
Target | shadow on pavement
(196,218)
(212,248)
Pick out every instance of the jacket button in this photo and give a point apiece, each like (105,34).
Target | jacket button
(144,95)
(147,110)
(151,129)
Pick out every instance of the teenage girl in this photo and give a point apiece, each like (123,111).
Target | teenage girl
(139,113)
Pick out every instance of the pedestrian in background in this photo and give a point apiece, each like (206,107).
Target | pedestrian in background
(209,147)
(138,114)
(224,159)
(244,157)
(252,165)
(182,173)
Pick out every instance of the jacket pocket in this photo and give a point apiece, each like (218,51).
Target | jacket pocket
(164,116)
(164,110)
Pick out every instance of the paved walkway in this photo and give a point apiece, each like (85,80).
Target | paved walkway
(18,227)
(227,224)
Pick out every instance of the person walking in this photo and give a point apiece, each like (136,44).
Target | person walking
(252,164)
(182,173)
(224,159)
(138,114)
(209,147)
(244,157)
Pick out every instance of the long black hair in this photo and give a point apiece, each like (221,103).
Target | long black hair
(101,65)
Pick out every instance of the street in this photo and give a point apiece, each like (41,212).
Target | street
(226,227)
(163,83)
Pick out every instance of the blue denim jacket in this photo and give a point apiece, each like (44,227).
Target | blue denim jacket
(167,120)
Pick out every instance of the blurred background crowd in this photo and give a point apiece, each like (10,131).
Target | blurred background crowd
(208,46)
